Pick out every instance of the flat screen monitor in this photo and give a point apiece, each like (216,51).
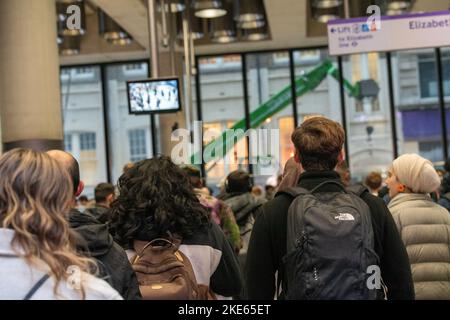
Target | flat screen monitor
(154,96)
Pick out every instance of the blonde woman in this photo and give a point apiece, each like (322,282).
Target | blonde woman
(37,255)
(424,225)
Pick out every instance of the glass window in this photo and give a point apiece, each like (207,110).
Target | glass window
(138,144)
(84,70)
(321,98)
(269,91)
(445,54)
(68,142)
(129,135)
(368,114)
(134,66)
(428,73)
(222,101)
(83,123)
(419,125)
(87,141)
(427,76)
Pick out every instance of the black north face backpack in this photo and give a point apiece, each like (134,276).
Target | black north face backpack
(330,245)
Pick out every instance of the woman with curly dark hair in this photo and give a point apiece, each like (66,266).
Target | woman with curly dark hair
(156,200)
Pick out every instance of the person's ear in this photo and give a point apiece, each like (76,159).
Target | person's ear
(297,156)
(110,198)
(79,189)
(341,156)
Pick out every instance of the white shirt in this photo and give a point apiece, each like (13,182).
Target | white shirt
(18,277)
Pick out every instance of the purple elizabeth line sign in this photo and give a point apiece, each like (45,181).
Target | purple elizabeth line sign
(410,31)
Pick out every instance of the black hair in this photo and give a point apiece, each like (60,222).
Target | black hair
(74,172)
(83,198)
(194,174)
(102,191)
(447,165)
(238,181)
(155,199)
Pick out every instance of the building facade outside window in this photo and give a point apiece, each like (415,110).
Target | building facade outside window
(222,101)
(137,140)
(83,123)
(82,107)
(268,74)
(129,135)
(323,100)
(369,133)
(428,73)
(68,142)
(87,141)
(419,122)
(416,103)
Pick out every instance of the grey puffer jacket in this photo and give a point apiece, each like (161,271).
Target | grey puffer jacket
(425,230)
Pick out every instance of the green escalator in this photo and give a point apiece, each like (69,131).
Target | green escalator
(303,84)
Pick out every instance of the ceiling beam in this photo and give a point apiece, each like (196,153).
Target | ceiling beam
(131,15)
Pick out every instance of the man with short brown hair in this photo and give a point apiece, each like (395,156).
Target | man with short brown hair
(318,143)
(374,182)
(319,148)
(104,195)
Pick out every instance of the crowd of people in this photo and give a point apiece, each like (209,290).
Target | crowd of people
(161,234)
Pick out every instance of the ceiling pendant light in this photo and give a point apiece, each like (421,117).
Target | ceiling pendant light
(209,8)
(323,4)
(70,45)
(249,10)
(223,29)
(399,4)
(256,34)
(252,24)
(196,25)
(65,17)
(121,41)
(111,31)
(394,12)
(324,15)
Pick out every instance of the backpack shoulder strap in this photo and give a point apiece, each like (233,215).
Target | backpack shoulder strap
(336,183)
(293,192)
(36,287)
(357,189)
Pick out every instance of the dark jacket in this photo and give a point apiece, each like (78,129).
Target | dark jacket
(268,243)
(242,205)
(112,259)
(444,200)
(100,213)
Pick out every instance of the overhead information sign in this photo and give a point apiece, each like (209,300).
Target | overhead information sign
(391,33)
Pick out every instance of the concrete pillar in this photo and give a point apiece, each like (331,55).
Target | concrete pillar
(29,75)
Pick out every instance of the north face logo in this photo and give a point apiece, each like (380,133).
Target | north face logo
(344,217)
